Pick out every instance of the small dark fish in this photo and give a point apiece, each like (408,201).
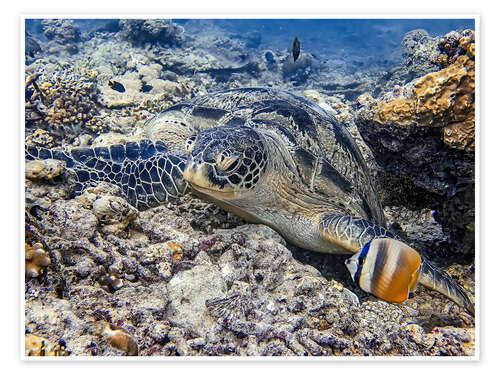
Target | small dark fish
(117,86)
(146,88)
(296,49)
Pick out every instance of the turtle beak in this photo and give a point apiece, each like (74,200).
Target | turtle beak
(196,174)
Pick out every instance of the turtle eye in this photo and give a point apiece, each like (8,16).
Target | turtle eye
(190,144)
(226,162)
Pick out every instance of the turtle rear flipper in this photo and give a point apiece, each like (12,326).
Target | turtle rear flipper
(385,266)
(435,279)
(146,174)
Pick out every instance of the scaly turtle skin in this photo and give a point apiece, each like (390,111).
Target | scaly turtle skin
(273,158)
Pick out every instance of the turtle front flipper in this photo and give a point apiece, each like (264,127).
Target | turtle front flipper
(385,266)
(349,232)
(146,174)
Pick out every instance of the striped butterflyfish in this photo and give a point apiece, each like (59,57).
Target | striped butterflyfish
(386,268)
(390,270)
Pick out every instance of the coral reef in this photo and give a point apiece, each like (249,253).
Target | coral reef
(419,53)
(61,31)
(160,31)
(62,103)
(188,278)
(426,130)
(442,99)
(235,291)
(141,86)
(455,44)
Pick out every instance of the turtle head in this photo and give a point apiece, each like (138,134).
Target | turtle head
(225,162)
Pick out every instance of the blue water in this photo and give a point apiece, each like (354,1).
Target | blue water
(367,42)
(339,33)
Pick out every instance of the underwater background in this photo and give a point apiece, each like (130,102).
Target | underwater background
(364,43)
(187,278)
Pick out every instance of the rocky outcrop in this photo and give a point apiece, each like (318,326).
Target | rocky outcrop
(425,130)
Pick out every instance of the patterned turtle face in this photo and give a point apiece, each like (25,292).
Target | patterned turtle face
(225,160)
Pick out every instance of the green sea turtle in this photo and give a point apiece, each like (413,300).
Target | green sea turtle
(270,157)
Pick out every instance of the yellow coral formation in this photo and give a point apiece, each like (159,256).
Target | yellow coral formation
(176,250)
(40,138)
(455,44)
(118,339)
(36,259)
(440,99)
(38,346)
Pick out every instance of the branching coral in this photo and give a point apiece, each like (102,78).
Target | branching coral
(36,259)
(62,103)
